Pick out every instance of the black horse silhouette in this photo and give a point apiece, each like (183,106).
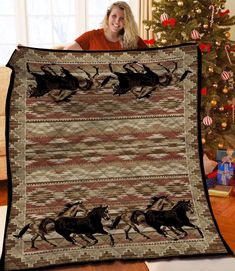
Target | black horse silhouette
(174,218)
(145,79)
(128,216)
(63,81)
(88,225)
(69,210)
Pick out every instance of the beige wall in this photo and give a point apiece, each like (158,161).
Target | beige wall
(231,6)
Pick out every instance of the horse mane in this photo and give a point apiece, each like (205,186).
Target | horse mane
(67,207)
(94,210)
(156,199)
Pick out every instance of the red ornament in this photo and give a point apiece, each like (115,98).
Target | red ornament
(195,35)
(164,17)
(225,75)
(203,91)
(207,121)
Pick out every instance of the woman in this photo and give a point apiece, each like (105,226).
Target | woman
(119,31)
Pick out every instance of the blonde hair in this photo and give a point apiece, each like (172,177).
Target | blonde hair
(129,35)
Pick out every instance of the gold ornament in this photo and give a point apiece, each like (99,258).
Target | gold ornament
(180,3)
(218,43)
(210,69)
(213,102)
(224,124)
(225,90)
(198,11)
(227,35)
(220,145)
(163,41)
(205,26)
(203,140)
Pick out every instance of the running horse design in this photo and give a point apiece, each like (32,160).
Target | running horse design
(70,210)
(175,219)
(68,227)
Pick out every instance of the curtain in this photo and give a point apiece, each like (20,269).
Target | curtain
(145,13)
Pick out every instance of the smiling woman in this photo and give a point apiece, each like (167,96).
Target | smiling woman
(48,23)
(119,31)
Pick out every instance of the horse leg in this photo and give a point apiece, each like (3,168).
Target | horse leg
(181,230)
(110,236)
(189,224)
(137,230)
(46,240)
(127,229)
(92,237)
(67,236)
(33,239)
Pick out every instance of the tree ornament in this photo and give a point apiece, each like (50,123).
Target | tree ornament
(198,11)
(205,46)
(205,26)
(203,140)
(223,13)
(220,145)
(211,69)
(225,90)
(215,85)
(171,22)
(207,121)
(221,108)
(212,8)
(224,124)
(218,43)
(203,91)
(227,35)
(163,41)
(180,3)
(225,75)
(147,27)
(213,102)
(195,35)
(164,17)
(222,6)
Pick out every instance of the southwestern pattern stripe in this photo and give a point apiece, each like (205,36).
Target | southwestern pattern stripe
(77,141)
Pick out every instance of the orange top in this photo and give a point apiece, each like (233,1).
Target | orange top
(95,40)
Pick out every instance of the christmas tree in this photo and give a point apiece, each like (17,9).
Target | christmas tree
(207,23)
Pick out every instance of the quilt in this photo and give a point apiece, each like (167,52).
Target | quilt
(104,157)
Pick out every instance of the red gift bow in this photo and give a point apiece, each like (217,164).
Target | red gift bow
(170,21)
(222,13)
(203,91)
(206,46)
(149,42)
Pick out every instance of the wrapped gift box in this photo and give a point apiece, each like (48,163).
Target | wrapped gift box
(224,173)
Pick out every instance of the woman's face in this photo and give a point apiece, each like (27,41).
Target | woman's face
(116,20)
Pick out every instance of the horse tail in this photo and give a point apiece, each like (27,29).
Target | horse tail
(115,222)
(135,217)
(22,232)
(44,222)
